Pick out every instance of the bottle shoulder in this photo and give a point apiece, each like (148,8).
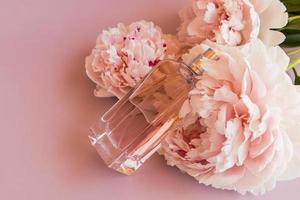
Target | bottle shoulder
(164,88)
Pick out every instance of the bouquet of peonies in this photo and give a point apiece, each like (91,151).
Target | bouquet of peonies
(239,127)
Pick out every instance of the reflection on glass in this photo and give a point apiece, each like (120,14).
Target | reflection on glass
(131,131)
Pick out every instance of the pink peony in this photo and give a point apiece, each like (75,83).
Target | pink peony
(125,54)
(239,129)
(233,22)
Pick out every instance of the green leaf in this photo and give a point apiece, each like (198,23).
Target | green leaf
(294,63)
(294,23)
(293,52)
(297,78)
(293,14)
(290,31)
(292,39)
(292,5)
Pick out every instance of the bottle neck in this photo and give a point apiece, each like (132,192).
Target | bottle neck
(196,65)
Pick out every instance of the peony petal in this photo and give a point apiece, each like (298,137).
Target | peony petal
(272,38)
(261,5)
(221,120)
(258,90)
(298,88)
(274,21)
(259,163)
(293,166)
(194,27)
(218,69)
(254,113)
(125,54)
(279,56)
(244,111)
(270,21)
(224,180)
(226,95)
(244,148)
(258,148)
(101,92)
(94,76)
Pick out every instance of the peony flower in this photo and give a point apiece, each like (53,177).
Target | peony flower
(125,54)
(233,22)
(239,129)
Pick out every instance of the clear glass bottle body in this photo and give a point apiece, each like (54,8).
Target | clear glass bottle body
(131,131)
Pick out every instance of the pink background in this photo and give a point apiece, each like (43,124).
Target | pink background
(47,105)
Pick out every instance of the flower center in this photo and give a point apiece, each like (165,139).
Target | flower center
(227,16)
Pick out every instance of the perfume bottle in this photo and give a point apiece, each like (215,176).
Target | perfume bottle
(131,131)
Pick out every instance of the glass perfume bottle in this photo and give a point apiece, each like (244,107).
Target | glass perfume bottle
(131,131)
